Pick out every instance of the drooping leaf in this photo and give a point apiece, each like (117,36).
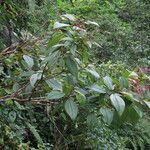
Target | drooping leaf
(70,17)
(107,114)
(97,88)
(147,103)
(28,60)
(71,65)
(118,103)
(55,84)
(34,78)
(94,73)
(55,95)
(71,108)
(58,25)
(108,82)
(132,114)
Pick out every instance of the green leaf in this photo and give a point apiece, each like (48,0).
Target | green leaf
(16,87)
(133,74)
(92,23)
(58,25)
(147,103)
(81,97)
(52,58)
(132,114)
(108,82)
(71,65)
(108,114)
(12,116)
(118,103)
(28,60)
(55,95)
(93,72)
(55,84)
(129,96)
(55,40)
(124,82)
(71,108)
(97,89)
(20,107)
(34,78)
(92,120)
(34,132)
(70,17)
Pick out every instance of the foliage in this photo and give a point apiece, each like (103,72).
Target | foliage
(62,77)
(122,30)
(62,90)
(19,17)
(137,137)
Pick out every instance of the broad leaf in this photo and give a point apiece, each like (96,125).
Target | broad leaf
(71,109)
(108,82)
(54,40)
(16,87)
(28,60)
(34,78)
(55,95)
(97,88)
(93,72)
(55,84)
(92,120)
(107,114)
(52,58)
(118,103)
(81,97)
(131,114)
(71,65)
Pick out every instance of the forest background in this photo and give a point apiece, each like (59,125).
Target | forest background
(71,77)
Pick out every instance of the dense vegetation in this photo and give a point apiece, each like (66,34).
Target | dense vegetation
(70,74)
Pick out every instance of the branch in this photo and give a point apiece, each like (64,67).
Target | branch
(34,101)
